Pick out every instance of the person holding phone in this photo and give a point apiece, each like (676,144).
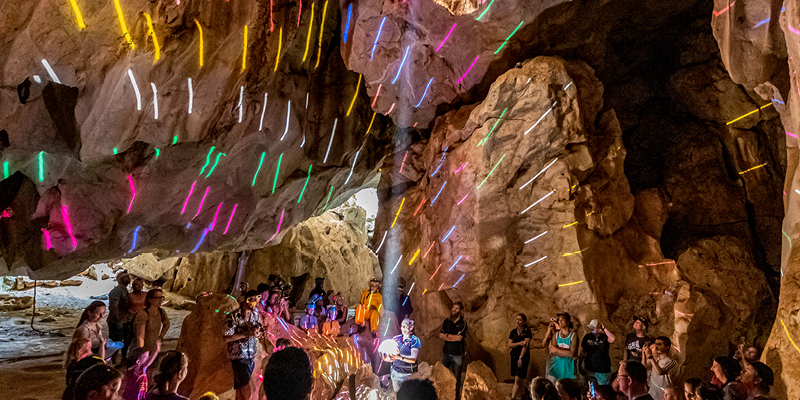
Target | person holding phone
(594,352)
(563,348)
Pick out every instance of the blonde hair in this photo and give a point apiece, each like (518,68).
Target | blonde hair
(72,351)
(209,396)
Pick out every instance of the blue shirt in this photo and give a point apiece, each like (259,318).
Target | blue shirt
(404,347)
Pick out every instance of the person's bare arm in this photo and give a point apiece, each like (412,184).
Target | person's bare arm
(611,337)
(153,356)
(554,350)
(573,347)
(139,325)
(525,344)
(164,324)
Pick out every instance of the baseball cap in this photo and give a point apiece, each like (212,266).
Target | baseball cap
(565,314)
(592,325)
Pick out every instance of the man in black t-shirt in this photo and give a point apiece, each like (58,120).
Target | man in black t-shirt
(594,352)
(454,330)
(636,341)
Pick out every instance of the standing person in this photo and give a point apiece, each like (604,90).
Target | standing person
(656,359)
(136,303)
(118,300)
(518,341)
(632,380)
(152,323)
(318,291)
(405,362)
(369,307)
(308,322)
(454,331)
(637,340)
(171,372)
(563,349)
(242,327)
(90,327)
(594,352)
(136,375)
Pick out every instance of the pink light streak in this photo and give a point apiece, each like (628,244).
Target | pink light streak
(48,244)
(65,218)
(468,69)
(280,221)
(720,12)
(403,163)
(390,109)
(793,29)
(299,11)
(446,37)
(462,200)
(791,134)
(185,203)
(228,226)
(376,95)
(216,214)
(133,190)
(429,249)
(203,200)
(461,167)
(420,206)
(434,272)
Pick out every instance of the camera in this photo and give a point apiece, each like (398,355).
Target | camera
(553,320)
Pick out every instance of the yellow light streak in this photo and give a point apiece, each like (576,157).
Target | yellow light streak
(750,169)
(280,43)
(750,113)
(152,33)
(200,28)
(122,25)
(358,86)
(572,254)
(244,50)
(370,122)
(78,16)
(568,225)
(790,338)
(308,37)
(414,258)
(398,212)
(321,28)
(569,284)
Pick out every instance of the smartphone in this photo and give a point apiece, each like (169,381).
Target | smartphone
(591,389)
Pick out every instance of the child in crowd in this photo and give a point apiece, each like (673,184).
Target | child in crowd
(690,388)
(136,376)
(671,393)
(331,326)
(309,322)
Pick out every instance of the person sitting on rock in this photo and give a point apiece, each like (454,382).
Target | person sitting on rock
(369,306)
(637,340)
(79,358)
(308,322)
(757,378)
(341,309)
(318,290)
(171,372)
(288,375)
(331,326)
(263,290)
(100,382)
(90,327)
(136,374)
(656,359)
(152,323)
(242,328)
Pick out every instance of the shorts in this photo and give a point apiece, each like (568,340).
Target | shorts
(242,371)
(520,372)
(603,378)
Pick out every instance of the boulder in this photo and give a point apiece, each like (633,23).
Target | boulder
(445,382)
(480,383)
(16,303)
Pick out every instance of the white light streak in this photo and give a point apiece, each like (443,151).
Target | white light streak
(540,172)
(531,263)
(241,99)
(155,100)
(540,118)
(288,110)
(333,132)
(191,94)
(136,90)
(50,71)
(537,236)
(538,201)
(263,109)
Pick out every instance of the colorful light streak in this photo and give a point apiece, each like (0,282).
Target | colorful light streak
(570,224)
(482,142)
(48,243)
(200,28)
(122,25)
(377,37)
(191,94)
(50,71)
(761,23)
(263,110)
(347,25)
(41,165)
(152,33)
(5,170)
(351,167)
(409,293)
(720,12)
(203,237)
(133,193)
(462,199)
(355,95)
(455,263)
(135,89)
(429,249)
(241,103)
(753,168)
(440,192)
(135,237)
(230,219)
(468,69)
(370,123)
(398,212)
(485,11)
(280,44)
(509,37)
(175,139)
(277,172)
(538,201)
(459,280)
(461,167)
(244,49)
(65,218)
(395,266)
(400,68)
(382,240)
(448,233)
(260,163)
(308,37)
(374,100)
(569,284)
(186,202)
(333,133)
(390,109)
(541,118)
(789,336)
(115,150)
(419,206)
(328,199)
(402,164)
(425,93)
(535,262)
(434,272)
(321,29)
(155,100)
(446,37)
(492,171)
(203,200)
(540,172)
(414,257)
(78,16)
(750,113)
(572,253)
(536,237)
(305,184)
(280,221)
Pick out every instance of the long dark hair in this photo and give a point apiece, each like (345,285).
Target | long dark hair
(89,310)
(173,364)
(149,296)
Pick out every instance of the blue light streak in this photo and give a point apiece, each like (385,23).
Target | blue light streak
(135,236)
(401,65)
(378,36)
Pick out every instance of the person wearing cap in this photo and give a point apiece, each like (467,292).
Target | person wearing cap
(331,326)
(637,340)
(594,352)
(563,347)
(757,378)
(369,306)
(242,328)
(309,322)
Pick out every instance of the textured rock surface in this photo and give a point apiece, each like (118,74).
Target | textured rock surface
(480,383)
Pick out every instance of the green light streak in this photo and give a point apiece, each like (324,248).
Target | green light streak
(208,160)
(41,166)
(175,139)
(277,172)
(306,184)
(482,142)
(509,37)
(158,152)
(5,170)
(215,164)
(115,150)
(484,11)
(329,199)
(492,171)
(260,163)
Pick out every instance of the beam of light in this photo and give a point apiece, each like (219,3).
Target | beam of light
(419,206)
(280,43)
(355,159)
(448,233)
(328,199)
(78,16)
(135,237)
(429,249)
(200,29)
(48,243)
(570,224)
(377,37)
(155,100)
(333,132)
(152,33)
(574,253)
(455,263)
(277,172)
(5,170)
(304,140)
(271,19)
(441,161)
(241,101)
(425,93)
(186,202)
(208,159)
(390,109)
(750,169)
(788,336)
(534,262)
(382,240)
(402,164)
(540,118)
(203,237)
(230,219)
(509,37)
(440,192)
(720,12)
(115,150)
(41,165)
(750,113)
(492,171)
(175,139)
(203,200)
(761,23)
(299,11)
(446,37)
(355,95)
(191,94)
(321,29)
(244,49)
(467,71)
(133,193)
(288,114)
(370,123)
(540,172)
(567,87)
(440,287)
(263,110)
(414,257)
(538,201)
(459,280)
(374,100)
(434,272)
(305,184)
(216,215)
(400,68)
(308,37)
(135,89)
(659,263)
(398,263)
(65,218)
(482,142)
(793,29)
(409,293)
(122,25)
(398,212)
(536,237)
(462,199)
(260,163)
(461,167)
(569,284)
(280,221)
(347,25)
